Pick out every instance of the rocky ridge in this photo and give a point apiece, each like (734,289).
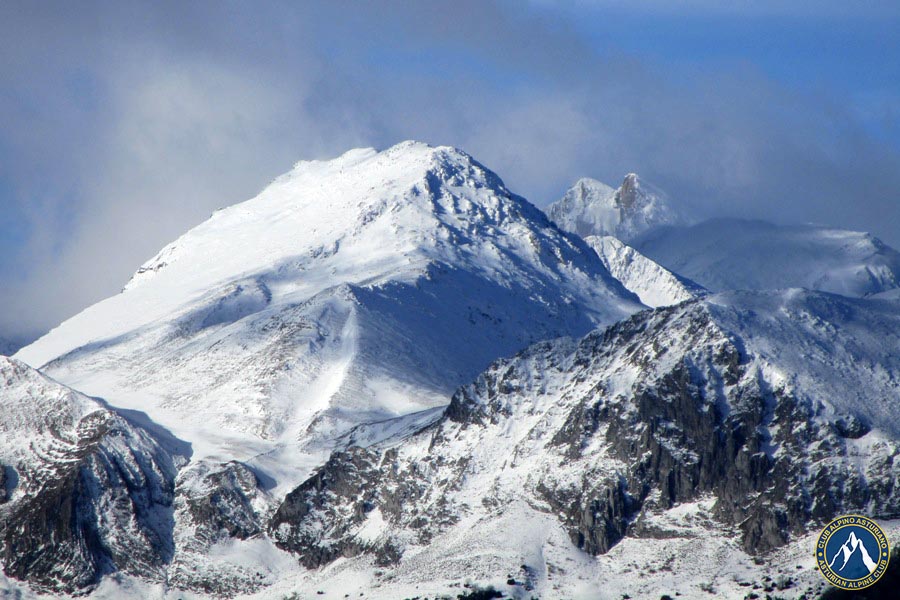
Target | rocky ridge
(667,408)
(86,493)
(654,284)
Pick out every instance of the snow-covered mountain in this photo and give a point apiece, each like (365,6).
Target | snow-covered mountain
(349,291)
(286,402)
(593,208)
(726,254)
(654,284)
(695,445)
(693,449)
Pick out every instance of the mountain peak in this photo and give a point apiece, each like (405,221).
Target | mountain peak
(654,284)
(351,290)
(627,196)
(409,156)
(590,207)
(411,196)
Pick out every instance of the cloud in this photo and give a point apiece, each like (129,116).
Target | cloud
(124,125)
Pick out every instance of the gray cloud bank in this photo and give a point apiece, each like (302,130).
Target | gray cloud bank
(122,125)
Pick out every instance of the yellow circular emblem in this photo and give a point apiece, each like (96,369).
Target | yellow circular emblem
(852,552)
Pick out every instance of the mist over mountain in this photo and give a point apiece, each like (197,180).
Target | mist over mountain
(724,254)
(592,208)
(619,319)
(8,346)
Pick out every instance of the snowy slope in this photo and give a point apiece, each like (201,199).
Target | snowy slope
(593,208)
(691,448)
(654,284)
(723,254)
(352,290)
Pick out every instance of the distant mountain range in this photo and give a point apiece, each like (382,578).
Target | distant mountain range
(725,254)
(728,254)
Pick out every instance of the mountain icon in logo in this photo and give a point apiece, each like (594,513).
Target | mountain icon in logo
(850,548)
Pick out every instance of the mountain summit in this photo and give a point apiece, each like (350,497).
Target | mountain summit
(654,284)
(593,208)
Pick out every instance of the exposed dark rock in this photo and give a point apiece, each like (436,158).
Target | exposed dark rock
(851,427)
(626,195)
(225,503)
(314,519)
(4,484)
(597,518)
(215,502)
(103,505)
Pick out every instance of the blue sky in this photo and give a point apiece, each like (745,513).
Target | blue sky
(123,124)
(850,56)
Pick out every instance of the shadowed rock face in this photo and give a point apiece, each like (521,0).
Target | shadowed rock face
(86,493)
(226,505)
(701,418)
(102,505)
(4,484)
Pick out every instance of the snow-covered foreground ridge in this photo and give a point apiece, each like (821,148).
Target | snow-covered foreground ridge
(682,449)
(727,427)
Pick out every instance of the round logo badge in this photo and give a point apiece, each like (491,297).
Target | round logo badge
(852,552)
